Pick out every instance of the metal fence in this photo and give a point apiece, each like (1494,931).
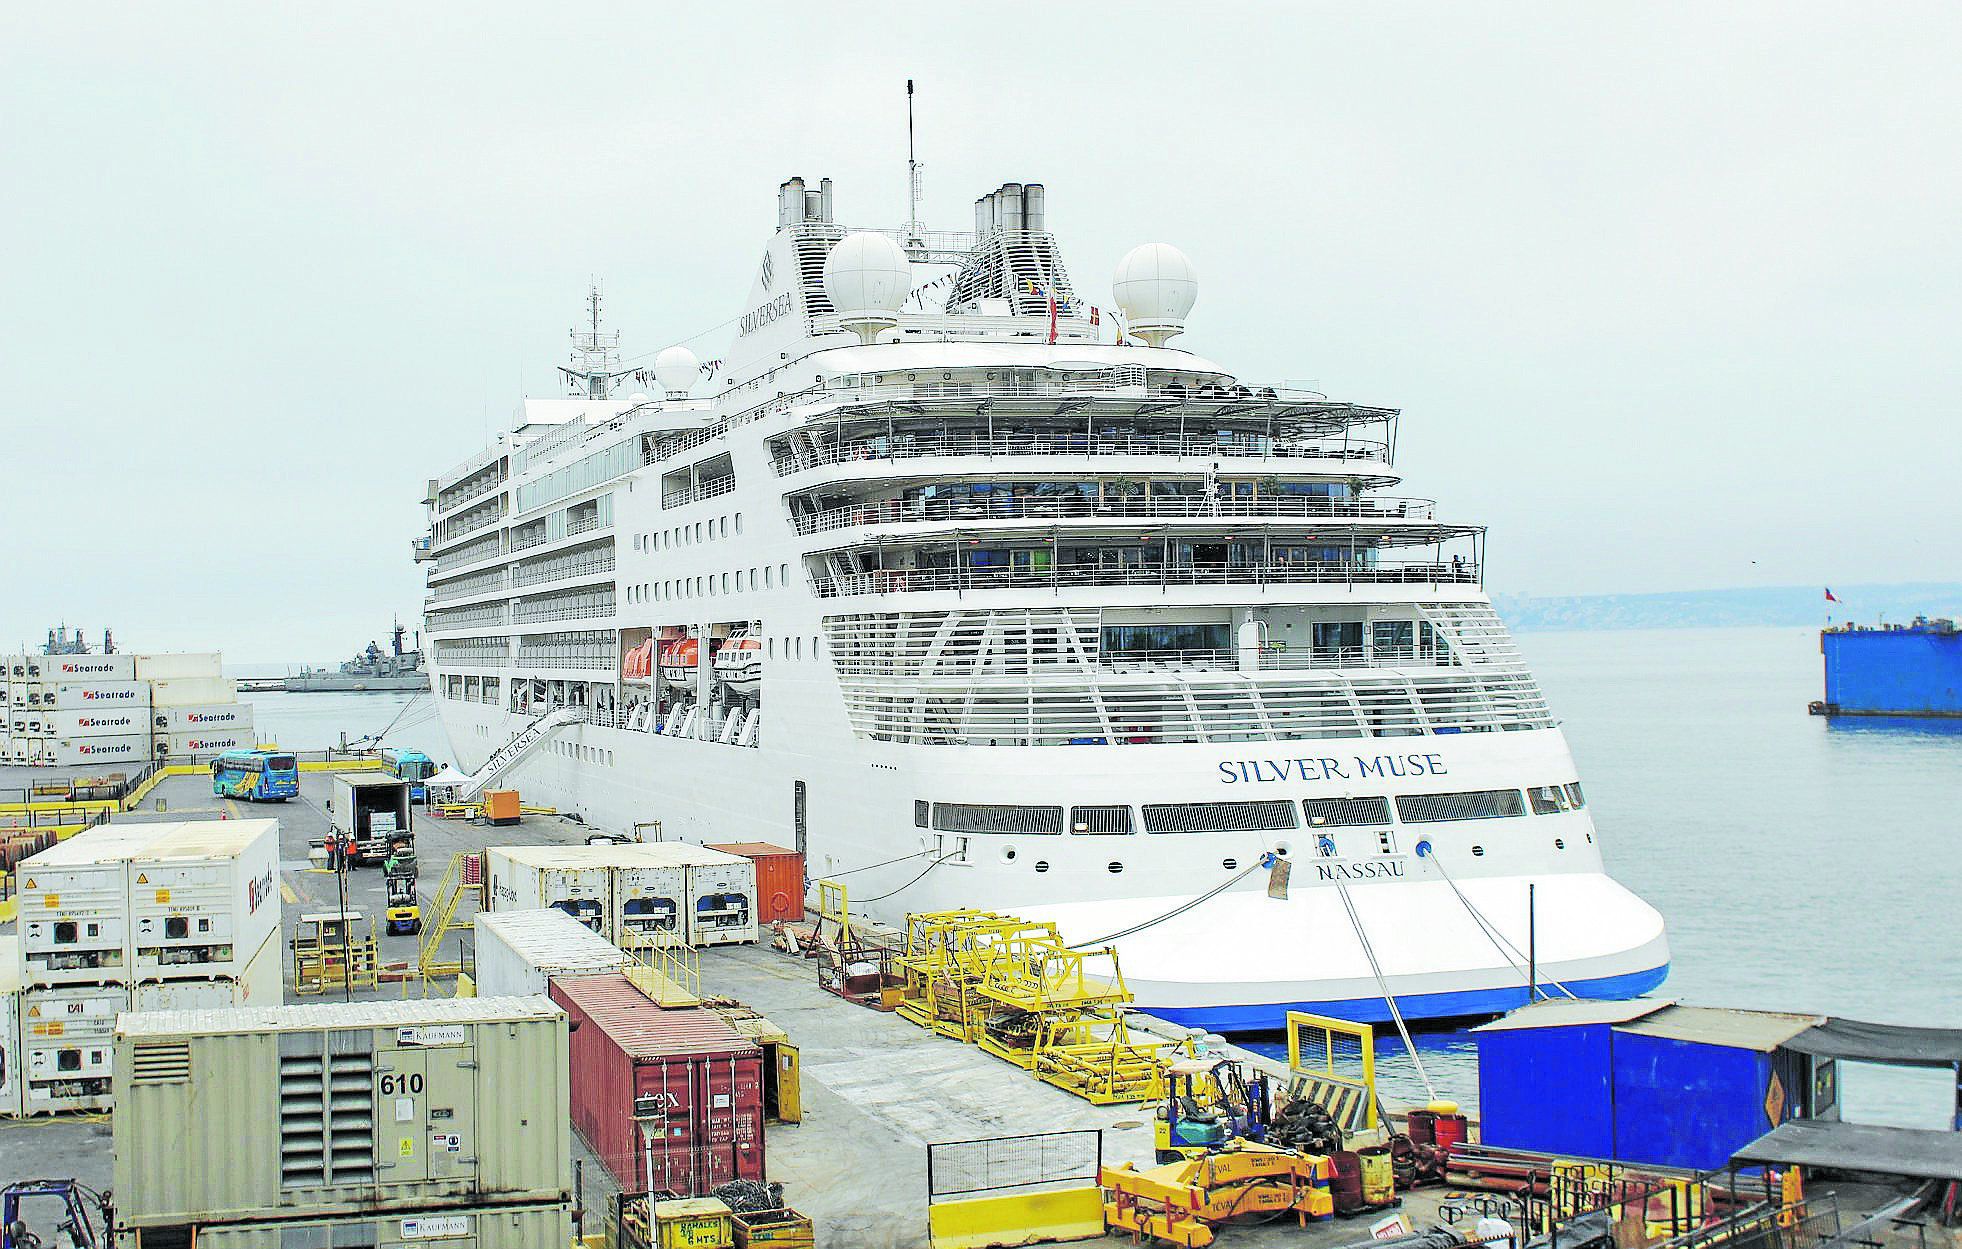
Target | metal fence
(1001,1163)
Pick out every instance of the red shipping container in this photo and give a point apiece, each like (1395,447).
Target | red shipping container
(779,879)
(668,1099)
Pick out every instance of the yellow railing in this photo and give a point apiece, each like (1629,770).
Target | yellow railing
(449,897)
(666,968)
(1334,1062)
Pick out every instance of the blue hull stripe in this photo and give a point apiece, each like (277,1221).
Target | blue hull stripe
(1272,1016)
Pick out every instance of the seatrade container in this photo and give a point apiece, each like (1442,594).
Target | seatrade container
(518,952)
(177,665)
(97,696)
(98,722)
(667,1099)
(573,879)
(201,717)
(779,879)
(201,742)
(416,1107)
(203,898)
(74,906)
(134,748)
(67,1038)
(91,667)
(192,691)
(260,984)
(468,1227)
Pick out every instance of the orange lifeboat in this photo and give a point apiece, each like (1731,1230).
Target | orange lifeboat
(679,661)
(739,665)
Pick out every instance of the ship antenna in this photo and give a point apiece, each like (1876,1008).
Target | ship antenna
(912,175)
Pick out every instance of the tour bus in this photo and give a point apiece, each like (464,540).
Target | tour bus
(255,775)
(412,766)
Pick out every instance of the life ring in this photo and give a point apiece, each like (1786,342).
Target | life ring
(780,903)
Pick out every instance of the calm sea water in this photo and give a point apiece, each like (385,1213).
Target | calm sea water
(1800,864)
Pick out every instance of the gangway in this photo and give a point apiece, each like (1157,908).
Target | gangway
(507,756)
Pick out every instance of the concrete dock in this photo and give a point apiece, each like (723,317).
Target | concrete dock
(876,1089)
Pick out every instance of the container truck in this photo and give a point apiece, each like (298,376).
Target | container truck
(369,814)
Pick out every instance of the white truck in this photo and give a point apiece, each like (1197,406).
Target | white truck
(370,812)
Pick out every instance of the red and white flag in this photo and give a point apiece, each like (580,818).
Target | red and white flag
(1829,595)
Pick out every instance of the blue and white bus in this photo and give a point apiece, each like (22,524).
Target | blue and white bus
(255,775)
(412,766)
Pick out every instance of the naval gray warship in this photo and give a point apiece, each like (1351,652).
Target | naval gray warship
(371,671)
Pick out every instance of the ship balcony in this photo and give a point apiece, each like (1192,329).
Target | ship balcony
(1057,576)
(419,548)
(456,529)
(457,496)
(1348,454)
(1003,510)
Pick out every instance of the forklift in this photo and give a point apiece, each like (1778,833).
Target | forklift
(81,1204)
(403,916)
(1209,1102)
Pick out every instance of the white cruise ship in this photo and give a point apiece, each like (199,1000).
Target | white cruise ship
(982,595)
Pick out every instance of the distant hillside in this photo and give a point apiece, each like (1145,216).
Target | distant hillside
(1706,609)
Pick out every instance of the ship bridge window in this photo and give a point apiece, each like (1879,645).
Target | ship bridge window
(1345,812)
(1482,804)
(1548,799)
(1574,795)
(1099,821)
(964,817)
(1219,817)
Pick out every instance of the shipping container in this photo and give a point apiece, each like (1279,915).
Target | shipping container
(10,1065)
(518,952)
(203,897)
(779,879)
(260,984)
(648,895)
(372,810)
(94,696)
(74,906)
(201,716)
(191,691)
(91,667)
(203,743)
(363,1107)
(464,1227)
(97,722)
(177,666)
(572,879)
(721,905)
(67,1041)
(667,1099)
(66,752)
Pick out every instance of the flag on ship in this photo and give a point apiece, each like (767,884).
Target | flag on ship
(1829,595)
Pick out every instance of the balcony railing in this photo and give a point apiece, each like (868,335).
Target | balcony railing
(465,587)
(1002,507)
(901,581)
(559,572)
(456,496)
(913,446)
(705,490)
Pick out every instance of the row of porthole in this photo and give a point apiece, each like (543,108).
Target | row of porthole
(1116,867)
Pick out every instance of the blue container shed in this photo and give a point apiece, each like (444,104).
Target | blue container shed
(1646,1082)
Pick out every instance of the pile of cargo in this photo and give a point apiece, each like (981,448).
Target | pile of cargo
(352,1124)
(637,894)
(166,916)
(63,710)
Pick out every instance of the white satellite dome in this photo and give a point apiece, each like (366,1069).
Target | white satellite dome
(866,278)
(1155,287)
(676,369)
(637,398)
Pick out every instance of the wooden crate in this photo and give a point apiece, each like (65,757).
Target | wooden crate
(775,1229)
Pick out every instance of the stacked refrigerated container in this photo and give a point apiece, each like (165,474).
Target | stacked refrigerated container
(632,894)
(81,710)
(518,952)
(368,1123)
(182,915)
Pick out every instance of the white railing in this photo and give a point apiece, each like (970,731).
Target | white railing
(912,446)
(464,587)
(901,581)
(705,490)
(535,611)
(456,496)
(1037,507)
(559,572)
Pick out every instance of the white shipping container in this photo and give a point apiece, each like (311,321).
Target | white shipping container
(201,742)
(648,897)
(9,1026)
(68,1046)
(74,906)
(24,667)
(98,722)
(96,696)
(259,985)
(173,666)
(190,691)
(721,902)
(91,667)
(77,750)
(518,952)
(199,717)
(569,878)
(203,897)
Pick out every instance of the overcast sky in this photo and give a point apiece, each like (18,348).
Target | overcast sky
(1669,294)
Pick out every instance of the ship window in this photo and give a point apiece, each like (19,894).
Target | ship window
(1482,804)
(1100,820)
(1125,639)
(725,526)
(1345,812)
(1575,797)
(965,817)
(725,583)
(783,573)
(1547,799)
(768,578)
(1218,817)
(922,813)
(739,524)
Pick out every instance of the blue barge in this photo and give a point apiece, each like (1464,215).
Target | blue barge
(1892,670)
